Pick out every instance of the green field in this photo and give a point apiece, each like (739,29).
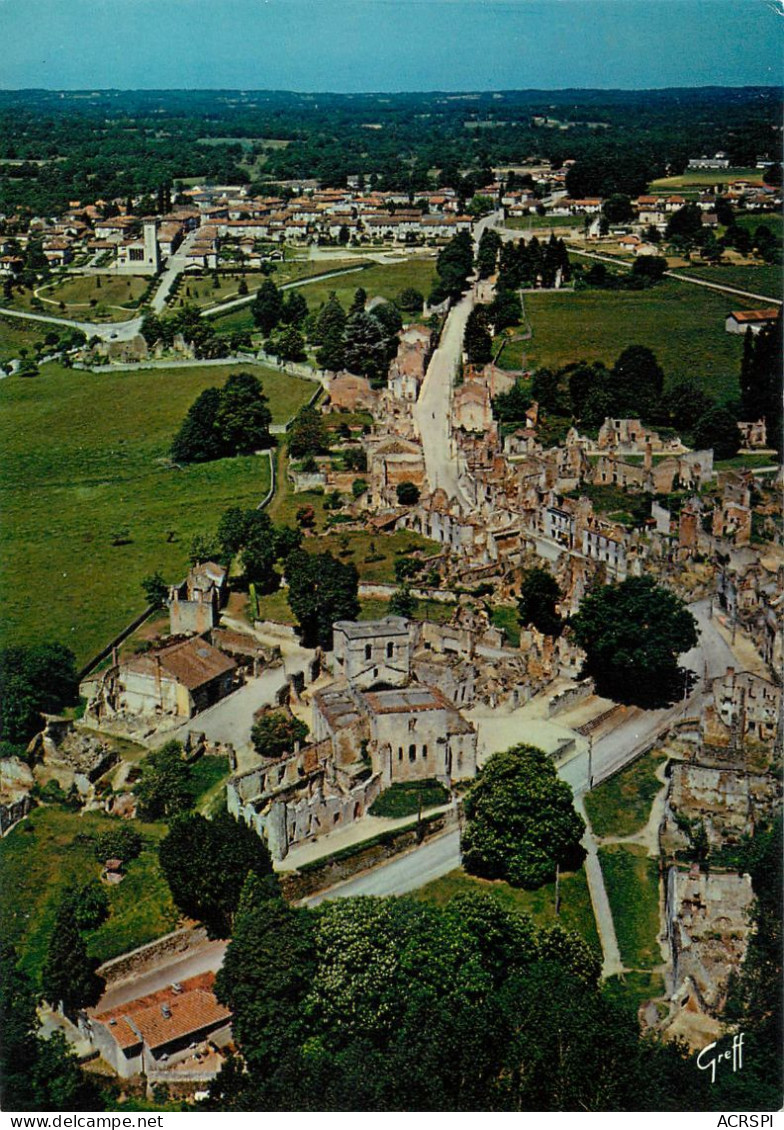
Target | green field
(93,298)
(682,324)
(384,280)
(622,805)
(53,848)
(759,278)
(407,798)
(17,334)
(693,178)
(538,224)
(632,882)
(505,617)
(576,911)
(753,220)
(85,456)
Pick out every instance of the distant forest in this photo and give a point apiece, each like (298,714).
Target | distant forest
(61,146)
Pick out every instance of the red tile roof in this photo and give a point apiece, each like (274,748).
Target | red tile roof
(191,1011)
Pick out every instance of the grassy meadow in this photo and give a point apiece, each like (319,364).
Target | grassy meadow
(621,805)
(53,849)
(384,280)
(17,334)
(85,456)
(632,882)
(683,325)
(576,910)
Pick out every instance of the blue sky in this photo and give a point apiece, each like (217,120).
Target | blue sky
(388,45)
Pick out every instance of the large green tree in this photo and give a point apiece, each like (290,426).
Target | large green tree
(267,307)
(34,679)
(277,733)
(717,429)
(520,820)
(36,1073)
(321,591)
(633,633)
(206,864)
(308,434)
(243,417)
(68,976)
(329,328)
(539,595)
(397,1004)
(165,787)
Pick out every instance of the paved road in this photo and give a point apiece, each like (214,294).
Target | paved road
(676,275)
(230,720)
(207,958)
(402,874)
(432,409)
(443,465)
(175,266)
(112,331)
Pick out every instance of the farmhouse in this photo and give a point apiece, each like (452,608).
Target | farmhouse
(176,681)
(755,320)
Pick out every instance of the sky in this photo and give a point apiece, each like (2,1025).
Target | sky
(389,45)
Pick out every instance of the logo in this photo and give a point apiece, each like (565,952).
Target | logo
(708,1062)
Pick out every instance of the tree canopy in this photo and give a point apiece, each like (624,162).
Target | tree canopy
(164,788)
(32,680)
(277,733)
(398,1004)
(539,594)
(68,975)
(520,820)
(321,590)
(632,633)
(222,422)
(206,864)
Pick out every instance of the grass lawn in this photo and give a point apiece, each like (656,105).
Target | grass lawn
(754,220)
(538,223)
(439,612)
(53,848)
(17,334)
(632,882)
(621,805)
(682,324)
(505,617)
(85,455)
(404,799)
(384,280)
(387,548)
(745,462)
(208,777)
(758,278)
(632,989)
(693,178)
(576,910)
(77,291)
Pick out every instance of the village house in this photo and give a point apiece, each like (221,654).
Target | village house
(745,713)
(708,927)
(164,1030)
(171,683)
(755,320)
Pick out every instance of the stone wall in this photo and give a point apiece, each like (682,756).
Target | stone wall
(335,869)
(137,961)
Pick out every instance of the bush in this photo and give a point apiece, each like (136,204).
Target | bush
(122,842)
(404,799)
